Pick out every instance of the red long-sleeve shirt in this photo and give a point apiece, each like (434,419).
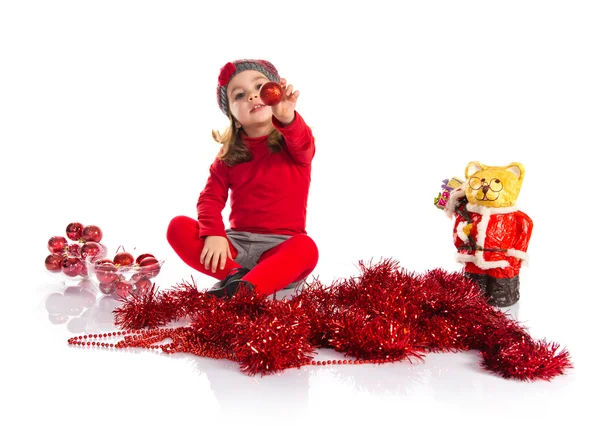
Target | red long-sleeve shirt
(269,193)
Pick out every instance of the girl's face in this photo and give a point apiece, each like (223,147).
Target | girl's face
(245,103)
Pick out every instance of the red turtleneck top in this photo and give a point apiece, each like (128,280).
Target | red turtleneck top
(269,193)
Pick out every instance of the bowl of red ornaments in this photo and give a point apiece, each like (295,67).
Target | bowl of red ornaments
(124,275)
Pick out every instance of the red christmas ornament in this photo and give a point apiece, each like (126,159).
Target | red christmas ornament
(123,259)
(74,250)
(57,244)
(54,262)
(150,266)
(142,286)
(71,266)
(92,233)
(106,272)
(74,231)
(92,250)
(123,289)
(271,93)
(142,257)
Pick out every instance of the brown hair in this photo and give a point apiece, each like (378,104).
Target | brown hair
(234,151)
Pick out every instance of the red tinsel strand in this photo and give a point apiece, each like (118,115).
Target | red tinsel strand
(527,360)
(156,309)
(277,339)
(372,320)
(451,314)
(317,301)
(150,310)
(383,315)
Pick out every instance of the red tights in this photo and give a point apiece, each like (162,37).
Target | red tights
(290,261)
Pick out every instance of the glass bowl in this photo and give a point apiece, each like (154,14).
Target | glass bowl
(121,280)
(67,263)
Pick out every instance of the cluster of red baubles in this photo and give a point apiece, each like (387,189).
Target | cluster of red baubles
(122,275)
(69,257)
(125,275)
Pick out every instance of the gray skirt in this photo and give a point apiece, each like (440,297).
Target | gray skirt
(250,248)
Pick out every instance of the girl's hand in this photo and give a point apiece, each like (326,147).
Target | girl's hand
(284,110)
(215,252)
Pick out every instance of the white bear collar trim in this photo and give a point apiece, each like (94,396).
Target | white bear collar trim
(474,208)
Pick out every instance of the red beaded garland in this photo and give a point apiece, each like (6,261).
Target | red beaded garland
(148,339)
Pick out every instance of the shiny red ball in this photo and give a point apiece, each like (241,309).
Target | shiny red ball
(74,231)
(91,233)
(123,289)
(74,250)
(271,93)
(106,272)
(71,266)
(142,257)
(150,267)
(92,250)
(54,262)
(123,259)
(142,286)
(57,244)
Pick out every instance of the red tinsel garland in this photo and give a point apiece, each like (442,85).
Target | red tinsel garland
(385,314)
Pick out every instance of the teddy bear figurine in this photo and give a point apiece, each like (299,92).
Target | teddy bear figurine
(490,233)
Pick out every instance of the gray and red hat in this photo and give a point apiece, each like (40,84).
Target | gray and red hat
(230,69)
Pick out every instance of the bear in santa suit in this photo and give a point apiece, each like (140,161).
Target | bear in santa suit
(490,232)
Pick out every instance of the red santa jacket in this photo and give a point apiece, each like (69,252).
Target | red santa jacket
(497,241)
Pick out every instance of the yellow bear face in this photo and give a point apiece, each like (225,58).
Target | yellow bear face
(491,186)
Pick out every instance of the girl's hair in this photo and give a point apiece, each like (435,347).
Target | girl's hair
(234,151)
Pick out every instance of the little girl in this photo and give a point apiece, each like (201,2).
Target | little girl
(265,162)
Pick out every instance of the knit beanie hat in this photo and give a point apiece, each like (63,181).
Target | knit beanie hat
(230,69)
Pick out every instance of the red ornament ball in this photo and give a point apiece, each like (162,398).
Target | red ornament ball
(271,93)
(150,267)
(71,266)
(142,257)
(142,286)
(123,259)
(74,231)
(92,233)
(123,289)
(92,250)
(57,244)
(54,262)
(74,250)
(106,272)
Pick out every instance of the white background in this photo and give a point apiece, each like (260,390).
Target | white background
(106,110)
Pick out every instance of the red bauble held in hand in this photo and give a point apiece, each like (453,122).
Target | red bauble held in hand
(271,93)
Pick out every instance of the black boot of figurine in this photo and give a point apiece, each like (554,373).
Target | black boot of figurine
(503,291)
(231,284)
(500,292)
